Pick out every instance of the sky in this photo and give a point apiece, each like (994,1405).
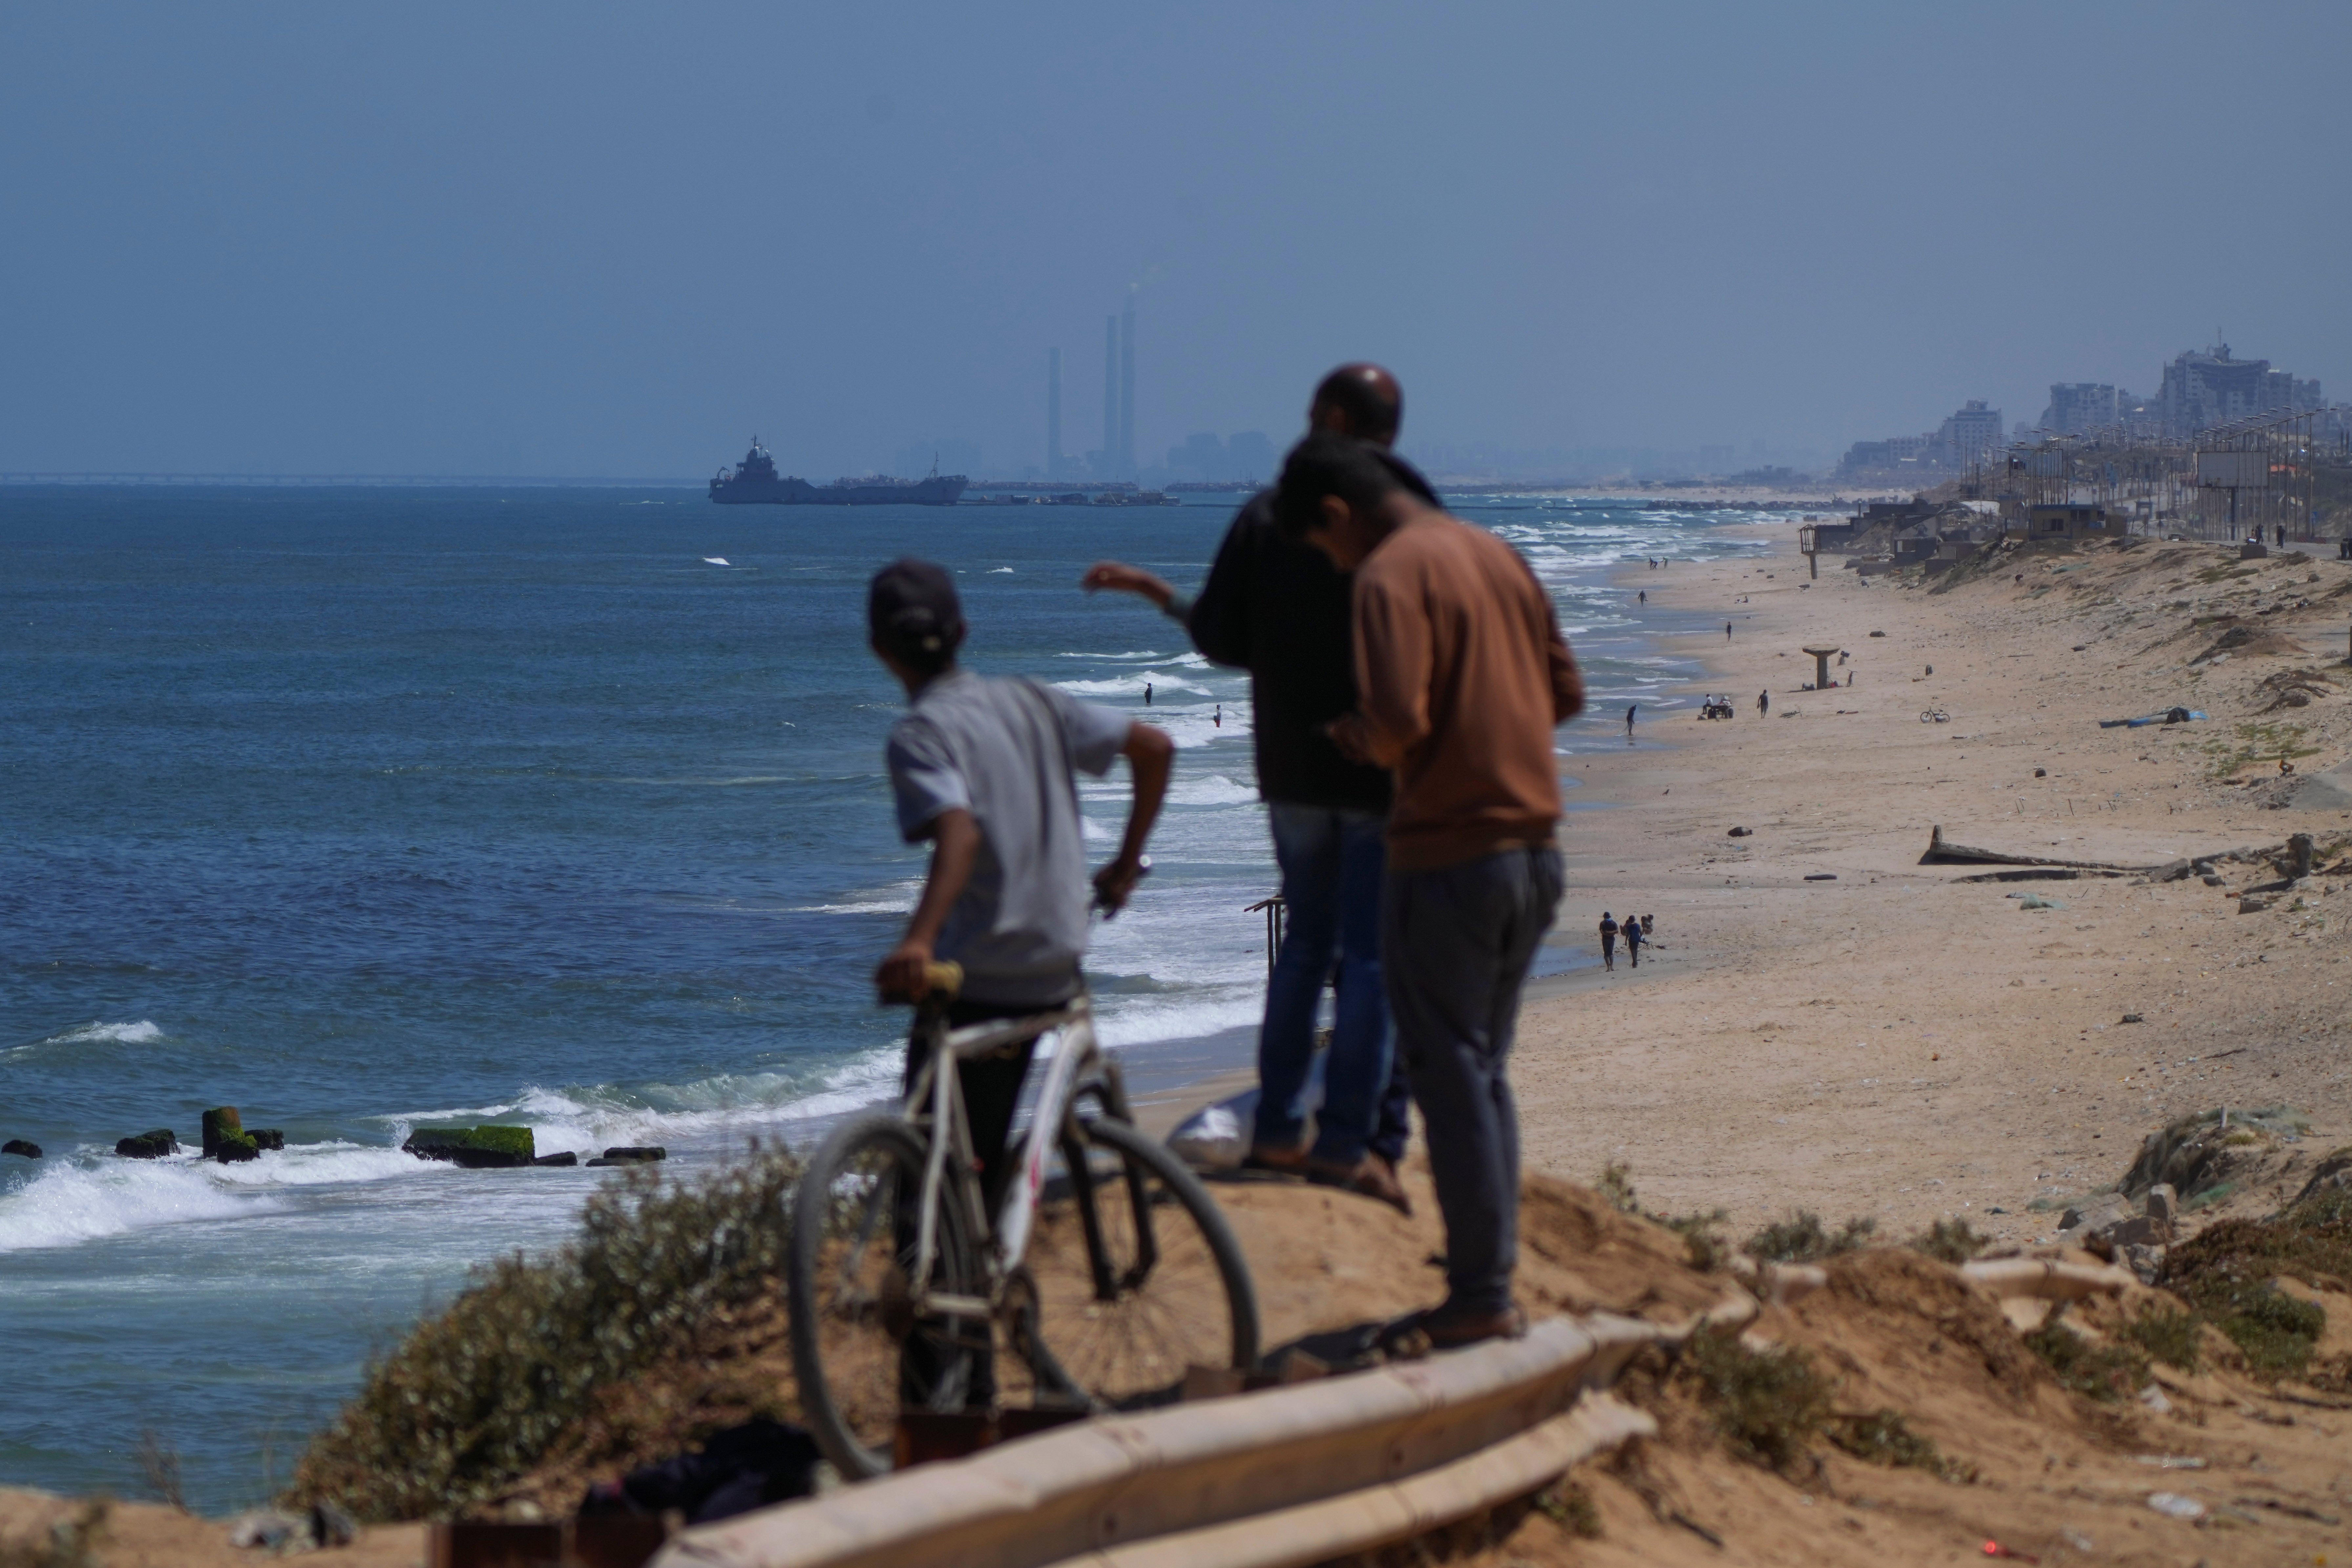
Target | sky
(603,241)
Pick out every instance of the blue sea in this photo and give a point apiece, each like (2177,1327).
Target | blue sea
(357,809)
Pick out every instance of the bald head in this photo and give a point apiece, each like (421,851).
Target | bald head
(1360,400)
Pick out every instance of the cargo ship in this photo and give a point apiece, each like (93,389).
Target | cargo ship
(755,482)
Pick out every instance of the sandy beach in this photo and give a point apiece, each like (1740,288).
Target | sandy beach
(1901,1044)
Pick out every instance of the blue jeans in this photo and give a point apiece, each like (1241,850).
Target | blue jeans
(1459,940)
(1332,863)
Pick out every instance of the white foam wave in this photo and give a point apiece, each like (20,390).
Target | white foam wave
(1132,685)
(1216,789)
(72,1202)
(141,1033)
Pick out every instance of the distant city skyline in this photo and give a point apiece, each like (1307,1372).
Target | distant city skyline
(598,240)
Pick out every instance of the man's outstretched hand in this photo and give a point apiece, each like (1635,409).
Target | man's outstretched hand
(1122,578)
(1115,883)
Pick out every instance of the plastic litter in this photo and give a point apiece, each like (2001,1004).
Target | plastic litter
(2035,901)
(2172,1505)
(2169,716)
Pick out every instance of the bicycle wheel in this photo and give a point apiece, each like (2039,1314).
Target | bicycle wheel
(860,1352)
(1136,1275)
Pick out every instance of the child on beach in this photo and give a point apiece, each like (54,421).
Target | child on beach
(984,769)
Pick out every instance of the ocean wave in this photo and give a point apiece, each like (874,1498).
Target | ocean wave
(1216,789)
(587,1119)
(141,1033)
(1132,685)
(76,1201)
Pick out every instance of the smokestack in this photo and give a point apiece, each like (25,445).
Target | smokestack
(1110,392)
(1126,392)
(1052,413)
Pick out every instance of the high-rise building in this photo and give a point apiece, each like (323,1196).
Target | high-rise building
(1110,393)
(1127,391)
(1971,437)
(2205,389)
(1052,413)
(2079,405)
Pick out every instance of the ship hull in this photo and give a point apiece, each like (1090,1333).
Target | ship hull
(788,491)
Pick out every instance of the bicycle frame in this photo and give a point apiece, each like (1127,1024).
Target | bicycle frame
(951,1137)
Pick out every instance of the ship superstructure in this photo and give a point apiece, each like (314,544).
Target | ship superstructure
(755,482)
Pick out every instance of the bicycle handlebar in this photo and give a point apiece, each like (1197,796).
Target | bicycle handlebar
(940,984)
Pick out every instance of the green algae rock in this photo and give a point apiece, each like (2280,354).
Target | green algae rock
(220,1119)
(496,1148)
(234,1145)
(436,1143)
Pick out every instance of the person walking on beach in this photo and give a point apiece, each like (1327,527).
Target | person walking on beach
(1649,924)
(1726,631)
(1763,703)
(1461,677)
(1634,941)
(1608,941)
(1629,718)
(983,770)
(1278,607)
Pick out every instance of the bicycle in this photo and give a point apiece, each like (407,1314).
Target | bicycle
(1934,716)
(900,1287)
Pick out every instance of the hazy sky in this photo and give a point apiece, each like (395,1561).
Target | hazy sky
(605,241)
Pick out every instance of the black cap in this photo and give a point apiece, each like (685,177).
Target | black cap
(911,609)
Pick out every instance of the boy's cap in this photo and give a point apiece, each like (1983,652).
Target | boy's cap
(911,606)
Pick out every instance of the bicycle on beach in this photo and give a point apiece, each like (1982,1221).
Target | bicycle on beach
(1103,1286)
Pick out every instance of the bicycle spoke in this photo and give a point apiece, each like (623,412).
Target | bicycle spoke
(1172,1302)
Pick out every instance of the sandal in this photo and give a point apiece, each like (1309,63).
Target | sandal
(1369,1177)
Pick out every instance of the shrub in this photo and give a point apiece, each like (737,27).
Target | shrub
(1767,1403)
(2167,1334)
(1616,1187)
(1883,1437)
(1801,1239)
(1950,1241)
(2224,1273)
(1702,1237)
(470,1401)
(2100,1372)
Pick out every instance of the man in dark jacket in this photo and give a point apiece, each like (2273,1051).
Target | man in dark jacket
(1277,608)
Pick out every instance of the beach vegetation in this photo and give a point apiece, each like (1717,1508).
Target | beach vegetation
(1616,1187)
(2227,1273)
(1950,1241)
(1802,1238)
(2102,1372)
(1568,1505)
(1767,1403)
(1885,1437)
(2167,1334)
(71,1542)
(464,1405)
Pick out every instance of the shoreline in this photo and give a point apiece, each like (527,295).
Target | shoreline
(1896,1044)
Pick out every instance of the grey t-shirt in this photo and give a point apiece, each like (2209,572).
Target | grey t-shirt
(1006,750)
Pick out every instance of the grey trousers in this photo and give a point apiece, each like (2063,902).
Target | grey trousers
(1456,944)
